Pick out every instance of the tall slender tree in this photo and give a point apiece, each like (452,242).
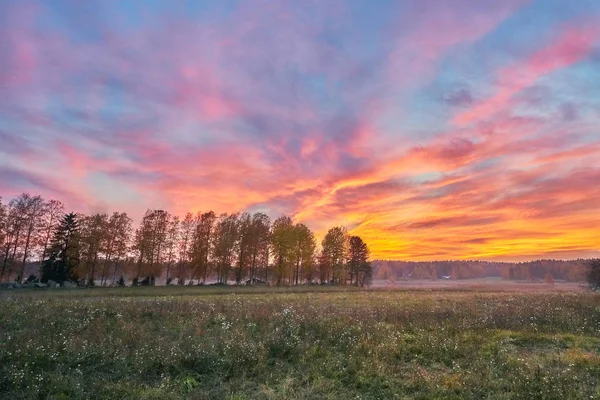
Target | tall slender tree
(225,244)
(3,230)
(93,238)
(303,252)
(259,245)
(359,268)
(245,247)
(282,246)
(172,240)
(121,230)
(160,235)
(15,225)
(31,209)
(150,239)
(324,267)
(188,228)
(108,245)
(335,245)
(203,239)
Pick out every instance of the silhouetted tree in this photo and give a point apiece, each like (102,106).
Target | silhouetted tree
(14,223)
(202,238)
(360,269)
(120,228)
(93,235)
(188,230)
(114,243)
(149,244)
(24,220)
(282,247)
(259,245)
(303,251)
(594,274)
(226,236)
(335,247)
(171,243)
(324,266)
(244,259)
(3,232)
(64,252)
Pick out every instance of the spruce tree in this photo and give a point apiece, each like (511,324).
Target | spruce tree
(64,255)
(594,274)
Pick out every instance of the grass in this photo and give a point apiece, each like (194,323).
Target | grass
(310,343)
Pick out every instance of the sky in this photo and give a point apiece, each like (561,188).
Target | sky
(434,129)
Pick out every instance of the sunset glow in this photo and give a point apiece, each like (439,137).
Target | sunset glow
(433,129)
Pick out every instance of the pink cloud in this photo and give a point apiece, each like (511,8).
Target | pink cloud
(439,26)
(572,45)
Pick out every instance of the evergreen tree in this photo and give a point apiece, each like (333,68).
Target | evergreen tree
(64,253)
(359,267)
(594,274)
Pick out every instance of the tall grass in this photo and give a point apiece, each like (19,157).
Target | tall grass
(299,345)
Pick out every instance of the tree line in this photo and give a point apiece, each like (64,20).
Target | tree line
(199,248)
(565,270)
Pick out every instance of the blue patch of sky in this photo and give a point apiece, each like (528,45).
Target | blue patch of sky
(576,86)
(118,105)
(486,164)
(325,93)
(531,28)
(214,11)
(88,21)
(426,177)
(474,65)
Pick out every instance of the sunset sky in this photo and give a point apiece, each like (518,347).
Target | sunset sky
(434,129)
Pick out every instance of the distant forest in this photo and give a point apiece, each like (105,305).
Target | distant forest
(569,270)
(40,241)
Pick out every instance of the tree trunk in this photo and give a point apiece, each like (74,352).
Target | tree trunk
(5,261)
(91,279)
(105,269)
(45,248)
(12,258)
(253,268)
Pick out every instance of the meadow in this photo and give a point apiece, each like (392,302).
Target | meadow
(306,343)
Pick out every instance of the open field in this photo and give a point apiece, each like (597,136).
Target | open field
(480,284)
(323,343)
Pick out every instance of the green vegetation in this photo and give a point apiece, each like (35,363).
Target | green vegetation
(102,249)
(242,343)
